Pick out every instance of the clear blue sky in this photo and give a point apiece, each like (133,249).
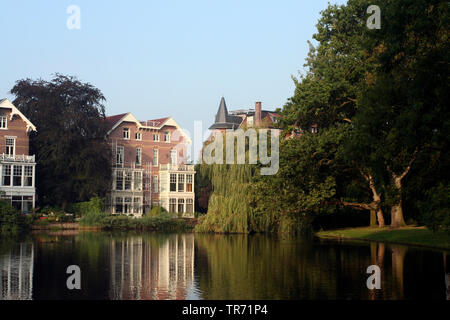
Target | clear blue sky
(163,58)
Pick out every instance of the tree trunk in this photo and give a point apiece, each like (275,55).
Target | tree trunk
(397,219)
(373,218)
(380,218)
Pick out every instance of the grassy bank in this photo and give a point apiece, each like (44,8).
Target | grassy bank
(123,223)
(408,235)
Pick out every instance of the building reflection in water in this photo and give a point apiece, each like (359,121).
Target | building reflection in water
(149,268)
(16,273)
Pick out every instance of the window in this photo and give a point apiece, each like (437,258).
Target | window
(314,129)
(127,180)
(180,205)
(173,156)
(180,182)
(126,133)
(137,180)
(156,137)
(138,136)
(17,176)
(10,146)
(16,202)
(28,176)
(249,121)
(119,155)
(155,157)
(119,180)
(138,156)
(172,205)
(173,182)
(119,205)
(3,122)
(127,205)
(167,136)
(6,175)
(189,206)
(137,205)
(155,203)
(189,183)
(155,184)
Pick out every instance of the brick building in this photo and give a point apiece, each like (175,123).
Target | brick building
(149,166)
(17,166)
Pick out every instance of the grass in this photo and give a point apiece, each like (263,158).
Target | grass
(420,236)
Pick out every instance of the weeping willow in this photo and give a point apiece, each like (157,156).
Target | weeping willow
(232,207)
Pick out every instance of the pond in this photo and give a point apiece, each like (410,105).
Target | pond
(203,266)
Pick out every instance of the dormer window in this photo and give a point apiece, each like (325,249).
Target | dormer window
(3,122)
(138,136)
(126,133)
(250,121)
(167,136)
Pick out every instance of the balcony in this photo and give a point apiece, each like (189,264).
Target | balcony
(17,158)
(176,167)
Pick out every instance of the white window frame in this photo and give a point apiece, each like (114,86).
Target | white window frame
(4,122)
(156,137)
(139,156)
(13,146)
(167,136)
(120,160)
(155,157)
(138,136)
(155,184)
(126,133)
(173,156)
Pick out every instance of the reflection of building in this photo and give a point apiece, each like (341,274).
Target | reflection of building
(16,273)
(141,269)
(149,166)
(17,167)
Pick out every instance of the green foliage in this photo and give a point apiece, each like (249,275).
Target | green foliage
(95,205)
(156,211)
(12,222)
(163,222)
(436,207)
(73,158)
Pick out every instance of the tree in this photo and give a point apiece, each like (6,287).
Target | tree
(403,113)
(73,158)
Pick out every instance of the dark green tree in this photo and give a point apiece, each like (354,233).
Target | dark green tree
(73,158)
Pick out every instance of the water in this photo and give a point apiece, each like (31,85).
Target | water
(188,266)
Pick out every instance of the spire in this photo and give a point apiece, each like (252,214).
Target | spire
(222,113)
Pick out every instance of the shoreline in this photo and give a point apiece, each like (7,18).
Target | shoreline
(409,235)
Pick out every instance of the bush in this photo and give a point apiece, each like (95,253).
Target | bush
(12,221)
(436,207)
(95,205)
(156,211)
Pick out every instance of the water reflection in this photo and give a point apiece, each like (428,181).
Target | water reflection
(140,270)
(188,266)
(16,273)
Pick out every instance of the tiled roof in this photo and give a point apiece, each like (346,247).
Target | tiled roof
(154,122)
(112,120)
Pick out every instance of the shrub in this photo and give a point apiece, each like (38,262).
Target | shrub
(95,205)
(12,221)
(156,211)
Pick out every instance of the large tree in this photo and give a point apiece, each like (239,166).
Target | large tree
(73,159)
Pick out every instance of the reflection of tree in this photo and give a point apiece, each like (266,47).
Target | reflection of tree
(261,267)
(398,259)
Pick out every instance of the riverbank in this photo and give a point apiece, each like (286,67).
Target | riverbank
(122,223)
(419,236)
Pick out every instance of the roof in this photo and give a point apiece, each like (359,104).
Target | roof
(115,120)
(223,119)
(154,122)
(5,103)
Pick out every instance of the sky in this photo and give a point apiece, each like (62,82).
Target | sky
(163,58)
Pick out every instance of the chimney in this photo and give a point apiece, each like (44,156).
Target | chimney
(258,114)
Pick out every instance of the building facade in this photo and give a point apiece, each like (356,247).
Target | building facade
(17,166)
(149,166)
